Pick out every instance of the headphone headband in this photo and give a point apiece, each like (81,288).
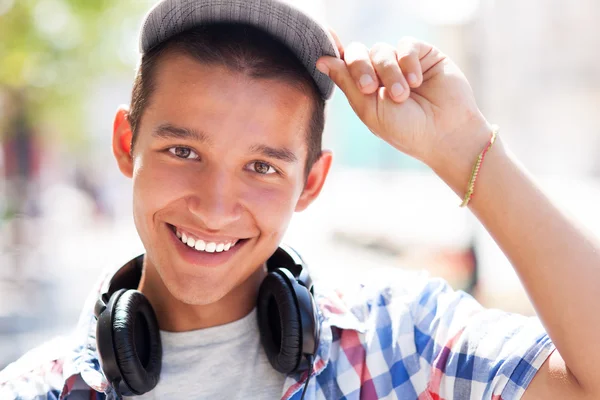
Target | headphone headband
(289,259)
(126,277)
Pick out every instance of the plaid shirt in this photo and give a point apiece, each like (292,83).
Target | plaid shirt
(415,338)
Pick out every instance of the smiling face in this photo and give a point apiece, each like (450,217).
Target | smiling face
(219,161)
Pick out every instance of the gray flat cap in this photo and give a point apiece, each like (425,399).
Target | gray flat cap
(303,34)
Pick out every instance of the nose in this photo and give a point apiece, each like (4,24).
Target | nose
(215,199)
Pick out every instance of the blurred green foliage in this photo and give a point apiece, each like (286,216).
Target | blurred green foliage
(53,51)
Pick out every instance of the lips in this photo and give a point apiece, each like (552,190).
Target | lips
(215,251)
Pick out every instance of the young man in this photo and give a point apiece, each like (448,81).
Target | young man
(222,142)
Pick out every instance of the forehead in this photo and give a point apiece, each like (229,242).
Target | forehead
(221,102)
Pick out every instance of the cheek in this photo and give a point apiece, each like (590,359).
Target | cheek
(272,208)
(156,185)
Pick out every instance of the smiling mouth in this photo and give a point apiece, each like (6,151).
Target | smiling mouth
(204,246)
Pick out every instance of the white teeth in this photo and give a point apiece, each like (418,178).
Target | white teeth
(211,247)
(200,245)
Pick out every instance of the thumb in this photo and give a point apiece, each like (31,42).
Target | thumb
(337,70)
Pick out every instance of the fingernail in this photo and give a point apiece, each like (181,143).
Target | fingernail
(323,68)
(412,78)
(397,89)
(365,81)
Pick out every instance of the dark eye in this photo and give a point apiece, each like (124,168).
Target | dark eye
(183,152)
(262,168)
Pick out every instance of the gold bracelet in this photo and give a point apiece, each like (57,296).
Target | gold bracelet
(477,166)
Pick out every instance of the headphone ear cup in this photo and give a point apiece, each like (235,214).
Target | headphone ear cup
(137,342)
(279,323)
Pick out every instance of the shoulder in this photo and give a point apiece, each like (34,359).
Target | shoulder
(37,373)
(418,331)
(385,292)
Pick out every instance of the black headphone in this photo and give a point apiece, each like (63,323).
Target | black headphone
(128,336)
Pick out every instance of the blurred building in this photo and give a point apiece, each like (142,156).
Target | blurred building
(540,77)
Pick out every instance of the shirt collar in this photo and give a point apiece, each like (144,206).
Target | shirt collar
(82,364)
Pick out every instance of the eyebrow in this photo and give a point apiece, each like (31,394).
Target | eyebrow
(282,153)
(168,131)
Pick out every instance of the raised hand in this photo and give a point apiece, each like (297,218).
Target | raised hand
(412,96)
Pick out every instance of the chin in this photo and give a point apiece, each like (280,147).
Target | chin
(196,290)
(197,299)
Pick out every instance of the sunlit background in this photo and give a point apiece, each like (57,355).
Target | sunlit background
(65,209)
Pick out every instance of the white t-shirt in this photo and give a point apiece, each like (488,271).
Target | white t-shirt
(223,362)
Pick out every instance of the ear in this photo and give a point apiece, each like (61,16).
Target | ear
(315,180)
(121,141)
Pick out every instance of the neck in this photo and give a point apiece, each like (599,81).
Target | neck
(174,315)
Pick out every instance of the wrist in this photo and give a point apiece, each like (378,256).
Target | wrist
(458,154)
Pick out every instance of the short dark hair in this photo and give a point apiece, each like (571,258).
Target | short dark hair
(241,48)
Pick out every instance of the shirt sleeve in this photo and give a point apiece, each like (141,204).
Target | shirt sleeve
(468,352)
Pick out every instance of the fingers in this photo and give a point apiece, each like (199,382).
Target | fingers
(385,61)
(336,69)
(358,60)
(338,42)
(409,52)
(432,62)
(399,69)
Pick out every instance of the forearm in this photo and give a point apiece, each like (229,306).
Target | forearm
(558,265)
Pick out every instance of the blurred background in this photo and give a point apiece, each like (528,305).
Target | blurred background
(65,209)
